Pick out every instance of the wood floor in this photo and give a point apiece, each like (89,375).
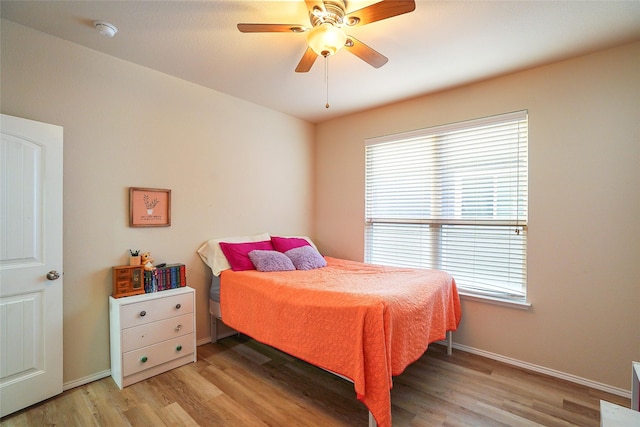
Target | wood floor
(239,382)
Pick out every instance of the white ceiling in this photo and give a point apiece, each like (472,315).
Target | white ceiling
(440,45)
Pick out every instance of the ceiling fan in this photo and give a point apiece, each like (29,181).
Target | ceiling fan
(326,35)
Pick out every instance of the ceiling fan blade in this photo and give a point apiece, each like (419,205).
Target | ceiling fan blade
(364,52)
(307,61)
(379,11)
(271,28)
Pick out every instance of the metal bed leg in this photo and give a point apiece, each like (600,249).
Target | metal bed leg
(214,329)
(372,421)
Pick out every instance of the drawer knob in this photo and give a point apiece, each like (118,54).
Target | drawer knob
(178,306)
(178,348)
(143,313)
(143,359)
(178,328)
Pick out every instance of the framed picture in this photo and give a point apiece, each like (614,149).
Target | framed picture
(149,207)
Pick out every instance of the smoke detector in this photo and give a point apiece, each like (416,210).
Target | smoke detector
(105,28)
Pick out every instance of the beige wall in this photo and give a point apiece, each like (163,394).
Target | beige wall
(233,168)
(217,151)
(584,204)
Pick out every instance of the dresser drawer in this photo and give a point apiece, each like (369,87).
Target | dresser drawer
(152,333)
(123,275)
(143,312)
(157,354)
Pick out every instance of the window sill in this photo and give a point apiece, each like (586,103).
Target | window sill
(521,305)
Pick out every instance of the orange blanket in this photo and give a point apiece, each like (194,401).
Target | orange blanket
(362,321)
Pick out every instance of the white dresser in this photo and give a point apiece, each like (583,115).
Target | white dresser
(151,333)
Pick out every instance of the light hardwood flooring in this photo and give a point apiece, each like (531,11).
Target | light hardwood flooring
(239,382)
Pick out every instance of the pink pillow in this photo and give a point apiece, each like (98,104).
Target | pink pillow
(238,253)
(283,244)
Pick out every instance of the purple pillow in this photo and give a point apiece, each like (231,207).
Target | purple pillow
(306,258)
(283,244)
(238,253)
(270,261)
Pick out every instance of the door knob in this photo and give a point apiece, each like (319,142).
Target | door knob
(53,275)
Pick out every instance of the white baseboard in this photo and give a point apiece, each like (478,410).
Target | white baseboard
(542,370)
(203,341)
(106,373)
(507,360)
(86,380)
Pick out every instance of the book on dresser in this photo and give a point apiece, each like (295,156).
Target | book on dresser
(169,276)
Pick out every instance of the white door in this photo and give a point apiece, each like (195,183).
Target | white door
(30,262)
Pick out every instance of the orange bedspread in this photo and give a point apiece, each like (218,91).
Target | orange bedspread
(362,321)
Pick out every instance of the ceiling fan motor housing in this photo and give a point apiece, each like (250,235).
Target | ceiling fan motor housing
(333,14)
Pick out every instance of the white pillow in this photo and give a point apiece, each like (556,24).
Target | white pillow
(213,256)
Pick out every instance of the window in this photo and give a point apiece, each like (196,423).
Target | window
(454,198)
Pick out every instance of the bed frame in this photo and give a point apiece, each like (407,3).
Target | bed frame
(219,330)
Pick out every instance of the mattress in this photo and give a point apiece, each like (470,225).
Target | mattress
(214,289)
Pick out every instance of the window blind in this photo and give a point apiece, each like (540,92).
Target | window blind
(455,198)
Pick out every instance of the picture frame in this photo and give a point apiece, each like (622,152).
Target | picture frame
(149,207)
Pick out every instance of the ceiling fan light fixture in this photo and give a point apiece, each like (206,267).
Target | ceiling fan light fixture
(326,39)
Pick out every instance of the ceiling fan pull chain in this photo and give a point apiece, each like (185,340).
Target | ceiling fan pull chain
(326,78)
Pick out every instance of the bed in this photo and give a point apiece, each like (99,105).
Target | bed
(363,322)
